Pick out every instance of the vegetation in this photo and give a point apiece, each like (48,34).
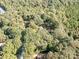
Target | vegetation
(45,29)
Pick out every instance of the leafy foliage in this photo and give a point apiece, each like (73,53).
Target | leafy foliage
(46,28)
(10,33)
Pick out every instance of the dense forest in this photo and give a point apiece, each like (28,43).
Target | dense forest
(39,29)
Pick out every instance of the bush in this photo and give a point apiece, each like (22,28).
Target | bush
(72,24)
(72,15)
(37,24)
(34,41)
(28,17)
(38,20)
(8,51)
(49,23)
(9,33)
(43,16)
(52,48)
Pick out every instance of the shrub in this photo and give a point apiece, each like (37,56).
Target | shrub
(38,20)
(51,47)
(34,41)
(49,23)
(43,16)
(28,17)
(72,15)
(9,33)
(8,51)
(72,24)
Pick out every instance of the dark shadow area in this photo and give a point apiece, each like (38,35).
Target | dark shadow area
(27,19)
(22,36)
(9,33)
(3,7)
(1,24)
(20,52)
